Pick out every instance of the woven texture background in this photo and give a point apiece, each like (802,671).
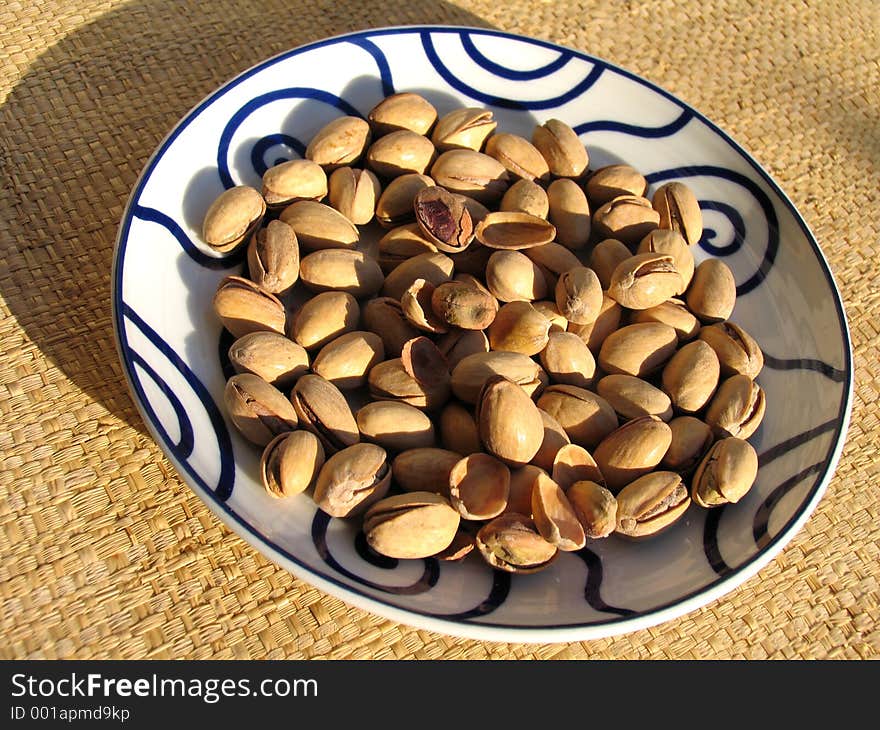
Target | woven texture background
(106,553)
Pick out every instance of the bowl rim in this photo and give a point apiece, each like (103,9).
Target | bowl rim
(465,629)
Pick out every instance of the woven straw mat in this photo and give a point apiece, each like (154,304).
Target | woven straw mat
(105,551)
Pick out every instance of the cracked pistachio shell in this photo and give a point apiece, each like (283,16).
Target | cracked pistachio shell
(273,258)
(341,142)
(522,481)
(352,479)
(319,226)
(679,211)
(258,410)
(605,257)
(512,543)
(691,376)
(416,306)
(555,517)
(384,316)
(435,268)
(587,418)
(400,153)
(444,219)
(395,426)
(726,473)
(519,156)
(559,144)
(613,181)
(424,469)
(672,312)
(389,380)
(608,321)
(573,464)
(570,213)
(402,243)
(347,360)
(509,423)
(412,525)
(579,295)
(628,218)
(422,359)
(558,323)
(479,485)
(354,193)
(458,429)
(469,376)
(243,307)
(232,218)
(462,545)
(554,439)
(323,410)
(514,231)
(276,359)
(462,305)
(405,110)
(471,173)
(325,317)
(458,344)
(633,397)
(638,349)
(595,507)
(651,503)
(737,408)
(691,438)
(395,205)
(290,463)
(519,327)
(712,293)
(632,450)
(568,360)
(294,180)
(342,270)
(645,280)
(663,241)
(738,353)
(525,196)
(512,276)
(465,128)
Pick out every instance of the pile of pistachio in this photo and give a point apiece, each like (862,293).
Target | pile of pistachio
(526,360)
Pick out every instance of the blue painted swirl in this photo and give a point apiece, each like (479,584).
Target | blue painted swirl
(264,144)
(762,516)
(381,62)
(508,73)
(592,593)
(736,221)
(635,130)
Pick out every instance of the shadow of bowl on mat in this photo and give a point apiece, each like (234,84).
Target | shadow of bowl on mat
(79,127)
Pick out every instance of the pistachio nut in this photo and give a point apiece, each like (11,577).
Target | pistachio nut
(294,180)
(608,321)
(595,507)
(650,504)
(325,317)
(435,268)
(405,110)
(522,481)
(512,276)
(638,349)
(613,181)
(341,270)
(570,213)
(712,293)
(462,545)
(679,211)
(458,429)
(633,397)
(341,142)
(519,327)
(352,479)
(586,417)
(273,258)
(384,316)
(738,353)
(462,305)
(232,218)
(412,525)
(319,226)
(579,295)
(471,173)
(559,144)
(509,422)
(463,129)
(514,231)
(645,280)
(691,438)
(573,464)
(737,408)
(323,410)
(416,307)
(672,243)
(424,469)
(726,473)
(402,243)
(558,323)
(444,219)
(554,257)
(290,463)
(395,426)
(270,355)
(477,210)
(399,153)
(554,439)
(554,515)
(422,359)
(479,485)
(469,376)
(353,193)
(525,196)
(672,312)
(512,543)
(347,360)
(389,380)
(244,307)
(458,344)
(632,450)
(395,205)
(519,156)
(258,410)
(605,257)
(628,218)
(691,376)
(568,360)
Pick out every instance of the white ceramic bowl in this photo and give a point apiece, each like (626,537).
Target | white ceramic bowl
(171,345)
